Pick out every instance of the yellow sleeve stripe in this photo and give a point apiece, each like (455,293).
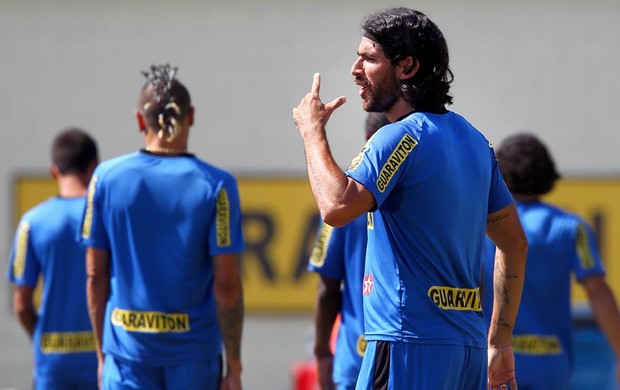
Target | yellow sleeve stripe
(21,249)
(222,219)
(583,249)
(319,252)
(88,217)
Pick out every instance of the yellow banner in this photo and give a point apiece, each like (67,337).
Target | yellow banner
(280,222)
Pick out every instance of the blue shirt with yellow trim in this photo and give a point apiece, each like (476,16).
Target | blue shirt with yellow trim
(561,244)
(339,254)
(435,180)
(45,246)
(162,218)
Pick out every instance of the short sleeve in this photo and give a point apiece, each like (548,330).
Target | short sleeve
(327,257)
(23,267)
(386,157)
(93,231)
(499,195)
(226,231)
(587,260)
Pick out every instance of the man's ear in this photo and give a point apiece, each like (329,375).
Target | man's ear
(190,116)
(410,67)
(54,171)
(141,121)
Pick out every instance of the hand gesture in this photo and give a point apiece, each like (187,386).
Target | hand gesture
(312,114)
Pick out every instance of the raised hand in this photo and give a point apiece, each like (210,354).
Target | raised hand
(312,114)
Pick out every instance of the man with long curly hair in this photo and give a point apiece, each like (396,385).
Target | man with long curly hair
(560,244)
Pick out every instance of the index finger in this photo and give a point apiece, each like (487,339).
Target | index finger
(316,84)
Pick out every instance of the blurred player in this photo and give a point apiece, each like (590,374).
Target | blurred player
(338,258)
(431,184)
(46,246)
(163,230)
(560,244)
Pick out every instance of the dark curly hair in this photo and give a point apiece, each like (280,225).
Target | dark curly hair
(403,32)
(526,165)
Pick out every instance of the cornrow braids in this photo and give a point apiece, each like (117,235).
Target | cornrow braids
(161,78)
(162,107)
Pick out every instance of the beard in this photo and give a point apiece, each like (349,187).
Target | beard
(382,94)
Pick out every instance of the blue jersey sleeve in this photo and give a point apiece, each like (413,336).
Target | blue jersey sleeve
(327,258)
(587,260)
(499,195)
(23,267)
(385,158)
(93,232)
(225,234)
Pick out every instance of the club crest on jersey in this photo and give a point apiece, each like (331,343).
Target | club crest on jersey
(368,284)
(361,345)
(358,159)
(398,156)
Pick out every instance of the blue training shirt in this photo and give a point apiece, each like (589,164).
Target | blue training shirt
(162,218)
(46,246)
(435,179)
(339,254)
(560,244)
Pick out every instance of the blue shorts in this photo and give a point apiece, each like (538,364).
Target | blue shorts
(120,375)
(43,383)
(397,366)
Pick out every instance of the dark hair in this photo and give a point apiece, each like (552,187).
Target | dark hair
(375,121)
(403,32)
(164,100)
(73,151)
(526,165)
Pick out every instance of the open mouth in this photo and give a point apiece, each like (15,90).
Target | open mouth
(364,86)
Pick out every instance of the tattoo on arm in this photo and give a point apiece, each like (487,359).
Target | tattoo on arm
(231,324)
(502,323)
(497,218)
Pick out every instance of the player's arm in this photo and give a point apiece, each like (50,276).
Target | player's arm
(504,229)
(24,308)
(97,292)
(328,305)
(339,198)
(605,310)
(228,293)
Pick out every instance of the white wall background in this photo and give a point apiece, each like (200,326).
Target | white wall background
(548,66)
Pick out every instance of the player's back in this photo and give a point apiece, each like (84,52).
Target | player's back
(159,215)
(47,237)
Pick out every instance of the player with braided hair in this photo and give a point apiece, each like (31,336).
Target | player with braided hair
(163,234)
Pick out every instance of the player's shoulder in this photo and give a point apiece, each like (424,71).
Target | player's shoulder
(214,172)
(561,216)
(41,211)
(115,164)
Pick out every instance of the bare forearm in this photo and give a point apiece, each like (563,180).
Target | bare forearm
(24,308)
(508,285)
(327,180)
(605,310)
(327,309)
(230,317)
(504,229)
(28,320)
(97,292)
